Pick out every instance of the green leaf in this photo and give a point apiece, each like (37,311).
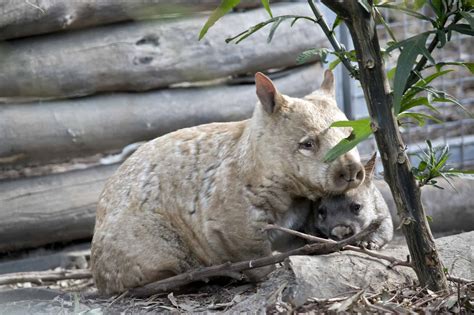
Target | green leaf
(440,96)
(406,11)
(429,219)
(365,4)
(468,65)
(405,63)
(422,166)
(420,101)
(361,130)
(419,4)
(406,42)
(469,18)
(420,85)
(461,28)
(425,81)
(464,174)
(333,64)
(306,55)
(266,5)
(437,6)
(425,52)
(294,21)
(220,11)
(336,23)
(273,29)
(420,118)
(391,73)
(243,35)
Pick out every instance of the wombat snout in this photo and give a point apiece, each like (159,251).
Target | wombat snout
(351,175)
(340,232)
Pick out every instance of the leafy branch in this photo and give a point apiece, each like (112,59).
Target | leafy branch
(275,21)
(433,165)
(414,77)
(338,48)
(408,80)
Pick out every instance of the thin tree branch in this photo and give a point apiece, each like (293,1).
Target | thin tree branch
(333,40)
(393,261)
(204,274)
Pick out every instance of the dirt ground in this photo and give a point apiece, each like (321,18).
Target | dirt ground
(280,293)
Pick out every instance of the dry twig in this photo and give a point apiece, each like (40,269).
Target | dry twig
(393,261)
(204,274)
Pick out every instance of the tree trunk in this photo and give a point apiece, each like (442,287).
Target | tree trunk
(397,169)
(148,55)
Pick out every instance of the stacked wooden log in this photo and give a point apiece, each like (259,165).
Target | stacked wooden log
(73,88)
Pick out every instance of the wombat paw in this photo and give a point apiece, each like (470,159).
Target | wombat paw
(369,245)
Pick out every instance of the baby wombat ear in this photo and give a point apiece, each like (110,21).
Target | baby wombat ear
(267,93)
(328,83)
(370,167)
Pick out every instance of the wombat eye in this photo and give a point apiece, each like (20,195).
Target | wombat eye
(322,212)
(355,208)
(307,144)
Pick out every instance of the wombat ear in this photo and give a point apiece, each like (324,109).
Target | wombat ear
(370,167)
(266,92)
(328,83)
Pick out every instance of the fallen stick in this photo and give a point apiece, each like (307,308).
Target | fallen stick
(460,280)
(43,276)
(227,269)
(393,261)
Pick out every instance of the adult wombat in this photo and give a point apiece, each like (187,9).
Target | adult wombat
(200,196)
(344,215)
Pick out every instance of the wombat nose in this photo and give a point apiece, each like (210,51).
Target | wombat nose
(341,232)
(351,175)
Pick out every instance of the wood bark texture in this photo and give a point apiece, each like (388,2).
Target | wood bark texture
(43,210)
(57,130)
(148,55)
(27,18)
(397,168)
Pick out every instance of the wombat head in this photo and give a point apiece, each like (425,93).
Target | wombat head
(339,217)
(292,136)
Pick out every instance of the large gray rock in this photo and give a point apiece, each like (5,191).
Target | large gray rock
(344,273)
(338,273)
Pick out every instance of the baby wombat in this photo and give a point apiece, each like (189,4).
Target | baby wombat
(341,216)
